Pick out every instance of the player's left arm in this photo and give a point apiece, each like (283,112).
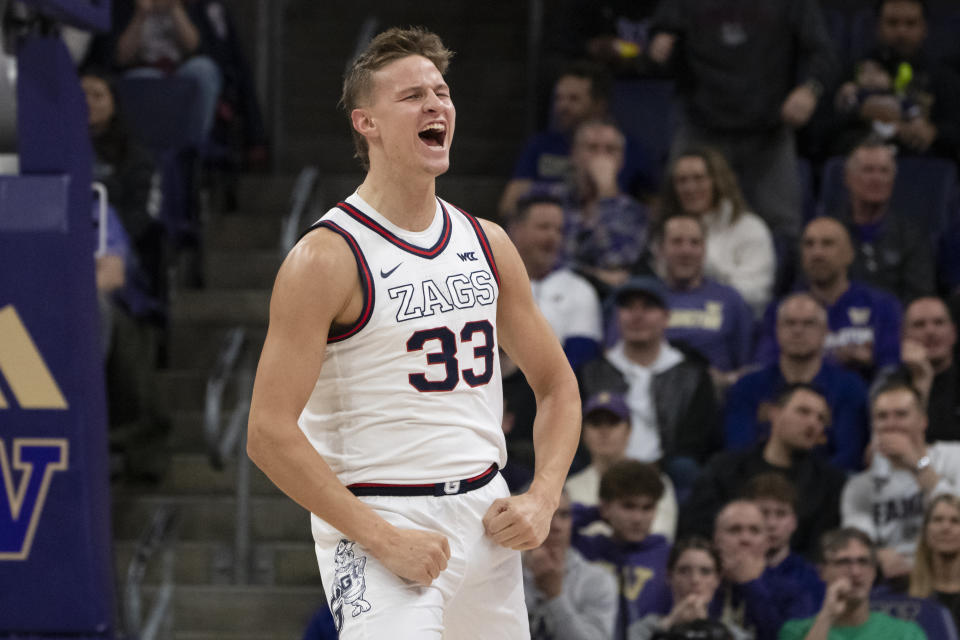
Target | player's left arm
(522,521)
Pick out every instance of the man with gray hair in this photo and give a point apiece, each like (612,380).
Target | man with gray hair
(891,250)
(801,331)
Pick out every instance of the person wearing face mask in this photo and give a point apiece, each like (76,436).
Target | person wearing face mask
(739,249)
(693,573)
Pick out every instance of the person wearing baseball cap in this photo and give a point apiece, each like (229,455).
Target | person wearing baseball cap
(670,397)
(605,431)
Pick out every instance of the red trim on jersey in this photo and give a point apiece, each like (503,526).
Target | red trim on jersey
(366,282)
(368,222)
(484,243)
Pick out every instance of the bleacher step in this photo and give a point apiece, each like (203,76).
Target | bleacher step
(221,306)
(211,517)
(241,268)
(209,562)
(195,346)
(192,473)
(243,609)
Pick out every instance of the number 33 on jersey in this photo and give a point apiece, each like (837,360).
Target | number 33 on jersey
(423,352)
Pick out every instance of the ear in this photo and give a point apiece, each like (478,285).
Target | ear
(363,123)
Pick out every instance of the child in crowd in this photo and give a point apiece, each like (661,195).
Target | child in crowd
(629,491)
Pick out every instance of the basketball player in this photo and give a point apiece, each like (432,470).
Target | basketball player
(377,402)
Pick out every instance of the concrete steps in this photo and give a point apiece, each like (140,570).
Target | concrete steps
(206,562)
(243,612)
(211,517)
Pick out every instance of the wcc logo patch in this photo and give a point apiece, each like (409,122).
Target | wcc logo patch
(349,583)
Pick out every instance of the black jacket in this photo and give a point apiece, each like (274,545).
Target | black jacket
(817,482)
(683,399)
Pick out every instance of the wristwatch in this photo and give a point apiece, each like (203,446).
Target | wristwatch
(923,463)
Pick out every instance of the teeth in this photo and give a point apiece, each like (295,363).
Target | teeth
(436,126)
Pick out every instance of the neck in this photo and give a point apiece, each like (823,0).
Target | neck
(685,284)
(855,616)
(776,556)
(644,353)
(830,291)
(777,453)
(408,203)
(946,572)
(864,212)
(602,463)
(942,364)
(800,369)
(535,270)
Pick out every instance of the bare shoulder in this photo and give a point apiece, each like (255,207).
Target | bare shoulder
(505,254)
(495,233)
(319,274)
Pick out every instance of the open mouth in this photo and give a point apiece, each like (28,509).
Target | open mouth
(434,135)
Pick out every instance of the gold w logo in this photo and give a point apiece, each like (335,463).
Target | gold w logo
(23,367)
(21,502)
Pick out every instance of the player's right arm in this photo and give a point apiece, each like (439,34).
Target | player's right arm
(318,287)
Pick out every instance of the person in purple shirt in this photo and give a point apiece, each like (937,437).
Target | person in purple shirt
(750,595)
(801,332)
(582,91)
(864,322)
(777,498)
(704,314)
(629,491)
(605,230)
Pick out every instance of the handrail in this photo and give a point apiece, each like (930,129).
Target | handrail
(101,190)
(303,193)
(220,441)
(157,536)
(226,442)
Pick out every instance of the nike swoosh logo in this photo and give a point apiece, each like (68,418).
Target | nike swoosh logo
(386,274)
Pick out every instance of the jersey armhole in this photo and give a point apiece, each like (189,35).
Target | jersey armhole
(338,334)
(484,243)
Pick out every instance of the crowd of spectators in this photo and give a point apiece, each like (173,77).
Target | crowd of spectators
(769,356)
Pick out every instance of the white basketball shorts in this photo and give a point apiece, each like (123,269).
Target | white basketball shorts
(479,596)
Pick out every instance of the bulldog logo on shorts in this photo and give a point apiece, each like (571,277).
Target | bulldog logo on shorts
(349,582)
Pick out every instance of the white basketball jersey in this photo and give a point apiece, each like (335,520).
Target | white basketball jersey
(411,393)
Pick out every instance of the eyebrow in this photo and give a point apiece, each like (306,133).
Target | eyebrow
(420,87)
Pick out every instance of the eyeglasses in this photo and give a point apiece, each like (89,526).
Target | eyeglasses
(862,562)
